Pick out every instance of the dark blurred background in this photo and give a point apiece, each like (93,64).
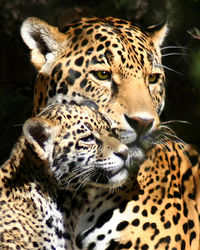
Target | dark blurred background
(17,75)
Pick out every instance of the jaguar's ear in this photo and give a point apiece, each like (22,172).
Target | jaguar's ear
(158,32)
(44,41)
(39,134)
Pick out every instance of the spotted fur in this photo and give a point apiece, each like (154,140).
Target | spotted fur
(65,146)
(116,68)
(158,209)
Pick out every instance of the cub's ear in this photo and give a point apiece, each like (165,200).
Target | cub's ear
(44,41)
(39,134)
(158,32)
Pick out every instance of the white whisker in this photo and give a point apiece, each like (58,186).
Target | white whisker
(172,54)
(174,47)
(175,121)
(165,67)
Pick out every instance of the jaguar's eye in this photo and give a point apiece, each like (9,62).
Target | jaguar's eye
(90,138)
(102,74)
(115,133)
(153,78)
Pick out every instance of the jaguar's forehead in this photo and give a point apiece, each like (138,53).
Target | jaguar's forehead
(106,32)
(73,116)
(108,25)
(110,39)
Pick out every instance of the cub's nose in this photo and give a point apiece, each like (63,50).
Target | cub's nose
(140,125)
(122,152)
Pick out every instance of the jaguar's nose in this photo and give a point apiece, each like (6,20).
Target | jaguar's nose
(122,152)
(140,125)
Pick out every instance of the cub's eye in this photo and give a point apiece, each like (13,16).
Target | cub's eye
(102,74)
(153,78)
(90,138)
(115,133)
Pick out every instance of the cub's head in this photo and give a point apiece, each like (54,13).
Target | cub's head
(78,145)
(109,61)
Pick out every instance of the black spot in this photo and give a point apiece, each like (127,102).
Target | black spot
(128,245)
(100,47)
(89,51)
(107,43)
(136,209)
(79,61)
(73,75)
(185,209)
(35,244)
(113,245)
(167,225)
(84,42)
(129,33)
(166,239)
(177,237)
(122,205)
(98,36)
(94,60)
(146,225)
(83,83)
(135,198)
(193,159)
(89,31)
(103,218)
(192,236)
(100,237)
(49,222)
(77,31)
(110,196)
(136,222)
(145,247)
(114,88)
(53,85)
(122,225)
(185,228)
(117,198)
(121,22)
(58,233)
(183,245)
(190,224)
(91,246)
(153,209)
(74,39)
(55,69)
(59,75)
(176,218)
(144,213)
(63,88)
(103,38)
(65,29)
(90,218)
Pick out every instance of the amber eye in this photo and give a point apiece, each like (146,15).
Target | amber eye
(153,78)
(102,74)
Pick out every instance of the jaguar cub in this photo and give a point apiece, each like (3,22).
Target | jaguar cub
(68,146)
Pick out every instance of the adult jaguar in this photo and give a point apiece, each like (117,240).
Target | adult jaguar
(66,145)
(106,60)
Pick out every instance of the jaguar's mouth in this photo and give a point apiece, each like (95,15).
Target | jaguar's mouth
(110,178)
(138,145)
